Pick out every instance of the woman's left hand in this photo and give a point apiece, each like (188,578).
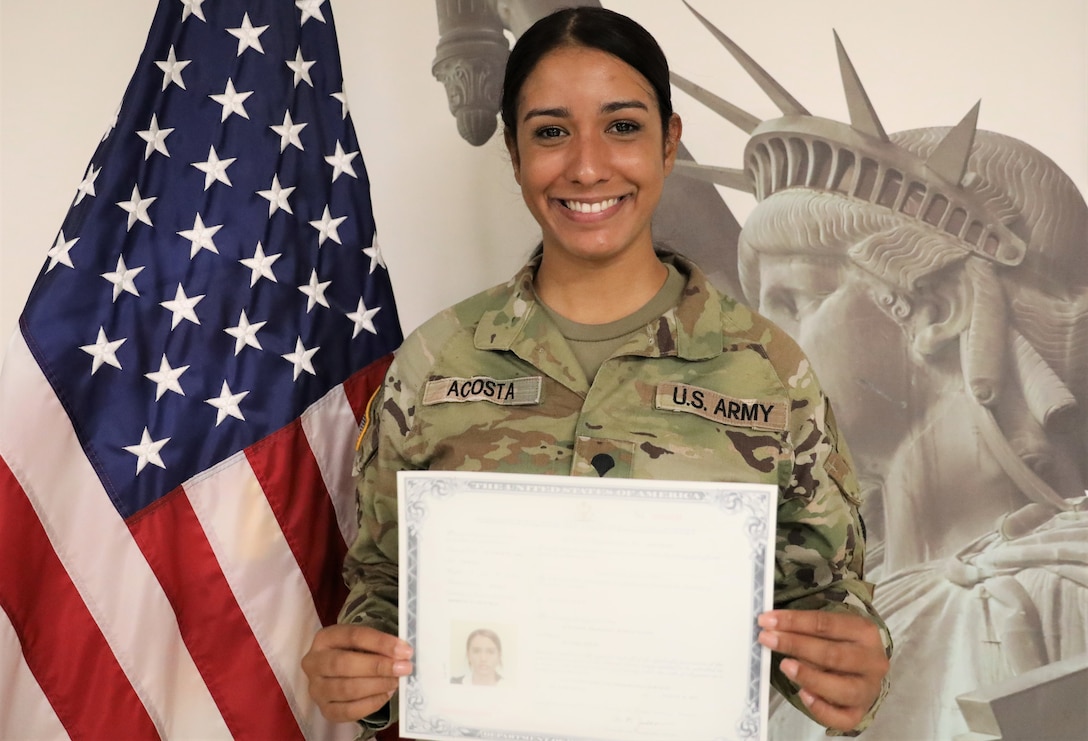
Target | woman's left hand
(836,658)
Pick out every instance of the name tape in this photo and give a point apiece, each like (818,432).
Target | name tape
(511,392)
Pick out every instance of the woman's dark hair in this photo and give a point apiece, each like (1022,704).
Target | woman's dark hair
(485,633)
(593,28)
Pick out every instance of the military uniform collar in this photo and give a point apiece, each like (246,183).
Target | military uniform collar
(696,325)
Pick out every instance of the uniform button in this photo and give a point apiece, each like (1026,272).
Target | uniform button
(603,463)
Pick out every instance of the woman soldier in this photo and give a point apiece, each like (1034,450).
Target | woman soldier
(606,344)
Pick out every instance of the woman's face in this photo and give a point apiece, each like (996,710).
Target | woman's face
(483,656)
(590,154)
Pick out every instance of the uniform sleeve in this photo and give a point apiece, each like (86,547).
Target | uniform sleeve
(370,567)
(820,558)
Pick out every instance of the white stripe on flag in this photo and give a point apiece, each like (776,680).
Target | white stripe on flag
(325,424)
(35,720)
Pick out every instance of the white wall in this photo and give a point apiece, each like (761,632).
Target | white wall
(449,217)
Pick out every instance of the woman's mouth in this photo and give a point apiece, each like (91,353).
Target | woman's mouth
(585,207)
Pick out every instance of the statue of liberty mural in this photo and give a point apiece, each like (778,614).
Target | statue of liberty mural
(938,280)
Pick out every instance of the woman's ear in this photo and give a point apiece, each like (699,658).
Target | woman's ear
(672,141)
(512,147)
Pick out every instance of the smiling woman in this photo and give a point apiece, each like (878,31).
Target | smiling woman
(591,161)
(619,360)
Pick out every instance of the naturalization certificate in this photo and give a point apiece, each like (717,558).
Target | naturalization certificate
(556,608)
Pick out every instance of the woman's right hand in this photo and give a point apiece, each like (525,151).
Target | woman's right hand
(353,670)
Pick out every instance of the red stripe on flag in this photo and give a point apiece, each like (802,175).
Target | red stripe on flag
(288,473)
(362,384)
(61,642)
(215,630)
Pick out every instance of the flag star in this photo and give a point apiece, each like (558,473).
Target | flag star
(147,451)
(113,123)
(260,266)
(200,237)
(232,101)
(227,404)
(301,358)
(341,162)
(171,69)
(86,187)
(327,227)
(277,196)
(166,378)
(248,35)
(182,307)
(363,319)
(310,9)
(289,132)
(343,98)
(315,291)
(137,207)
(122,278)
(374,252)
(192,7)
(215,169)
(59,252)
(155,138)
(301,68)
(245,333)
(104,351)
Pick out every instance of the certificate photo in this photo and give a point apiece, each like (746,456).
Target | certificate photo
(570,608)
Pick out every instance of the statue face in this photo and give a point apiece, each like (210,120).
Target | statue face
(861,354)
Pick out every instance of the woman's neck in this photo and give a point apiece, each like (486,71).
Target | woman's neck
(592,292)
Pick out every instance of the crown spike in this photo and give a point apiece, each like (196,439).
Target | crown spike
(724,176)
(863,116)
(731,113)
(778,95)
(949,159)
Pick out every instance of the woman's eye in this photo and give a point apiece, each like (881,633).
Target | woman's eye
(549,132)
(625,127)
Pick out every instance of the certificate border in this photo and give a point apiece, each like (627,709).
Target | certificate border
(414,487)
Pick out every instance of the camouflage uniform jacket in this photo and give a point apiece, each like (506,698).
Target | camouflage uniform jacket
(709,391)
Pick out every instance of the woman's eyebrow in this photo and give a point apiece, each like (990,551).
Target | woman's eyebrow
(548,112)
(562,112)
(620,105)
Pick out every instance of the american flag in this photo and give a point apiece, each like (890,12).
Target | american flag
(179,406)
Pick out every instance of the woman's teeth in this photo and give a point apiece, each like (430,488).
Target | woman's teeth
(591,208)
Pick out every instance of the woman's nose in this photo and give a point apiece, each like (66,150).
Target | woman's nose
(589,162)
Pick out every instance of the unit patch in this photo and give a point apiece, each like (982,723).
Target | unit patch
(512,392)
(766,414)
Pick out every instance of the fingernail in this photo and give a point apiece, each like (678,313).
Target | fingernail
(768,620)
(402,651)
(789,668)
(807,697)
(402,668)
(391,692)
(770,640)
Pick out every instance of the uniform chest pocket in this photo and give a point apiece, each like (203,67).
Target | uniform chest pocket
(603,457)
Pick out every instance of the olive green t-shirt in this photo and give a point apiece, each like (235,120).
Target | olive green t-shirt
(592,344)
